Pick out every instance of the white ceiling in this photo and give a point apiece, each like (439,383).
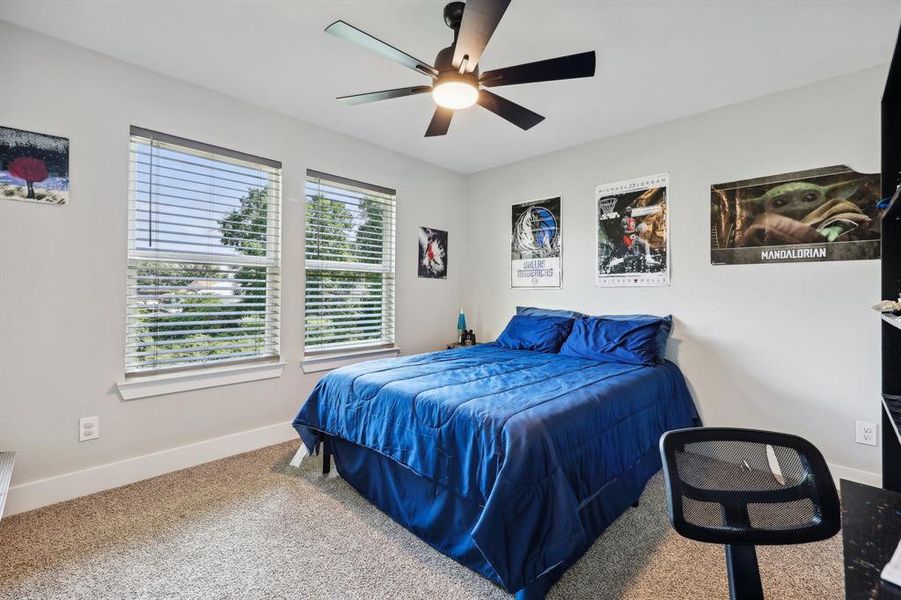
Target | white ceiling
(657,61)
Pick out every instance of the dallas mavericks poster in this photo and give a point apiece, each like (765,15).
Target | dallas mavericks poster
(816,215)
(536,243)
(632,230)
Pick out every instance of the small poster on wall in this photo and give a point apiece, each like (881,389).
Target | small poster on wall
(34,167)
(432,253)
(535,247)
(632,232)
(816,215)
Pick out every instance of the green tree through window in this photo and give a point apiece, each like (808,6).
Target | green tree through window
(349,265)
(223,305)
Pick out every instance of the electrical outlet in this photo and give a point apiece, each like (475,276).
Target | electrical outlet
(867,433)
(88,428)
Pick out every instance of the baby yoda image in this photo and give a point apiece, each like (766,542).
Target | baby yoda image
(803,212)
(799,198)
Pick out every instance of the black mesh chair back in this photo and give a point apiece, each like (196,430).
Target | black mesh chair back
(741,488)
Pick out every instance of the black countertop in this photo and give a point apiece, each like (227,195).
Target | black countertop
(871,530)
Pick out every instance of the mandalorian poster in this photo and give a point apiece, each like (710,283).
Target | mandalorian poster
(632,232)
(807,216)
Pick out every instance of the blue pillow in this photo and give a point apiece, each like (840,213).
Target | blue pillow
(664,328)
(540,334)
(619,339)
(532,311)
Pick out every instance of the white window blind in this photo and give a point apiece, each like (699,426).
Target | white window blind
(349,300)
(203,255)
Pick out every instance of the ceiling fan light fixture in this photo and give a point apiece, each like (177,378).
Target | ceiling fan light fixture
(457,78)
(455,93)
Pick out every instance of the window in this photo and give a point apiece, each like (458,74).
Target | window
(349,300)
(203,255)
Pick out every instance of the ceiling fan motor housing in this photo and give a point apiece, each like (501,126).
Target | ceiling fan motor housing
(453,16)
(444,63)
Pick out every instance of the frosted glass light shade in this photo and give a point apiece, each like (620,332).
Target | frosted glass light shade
(455,94)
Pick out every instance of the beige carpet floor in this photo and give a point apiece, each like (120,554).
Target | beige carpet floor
(251,526)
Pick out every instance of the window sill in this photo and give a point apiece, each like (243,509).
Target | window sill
(159,385)
(327,362)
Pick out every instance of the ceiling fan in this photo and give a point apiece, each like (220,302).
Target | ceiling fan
(457,82)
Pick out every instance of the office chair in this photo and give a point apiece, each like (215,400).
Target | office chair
(742,488)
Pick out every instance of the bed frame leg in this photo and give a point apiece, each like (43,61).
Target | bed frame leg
(326,457)
(635,504)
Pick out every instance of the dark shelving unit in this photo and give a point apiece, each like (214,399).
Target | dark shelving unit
(891,276)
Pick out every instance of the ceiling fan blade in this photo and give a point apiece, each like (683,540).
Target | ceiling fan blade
(440,121)
(480,19)
(349,33)
(518,115)
(552,69)
(385,94)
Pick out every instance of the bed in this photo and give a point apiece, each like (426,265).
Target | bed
(510,461)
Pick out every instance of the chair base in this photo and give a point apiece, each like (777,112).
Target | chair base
(744,573)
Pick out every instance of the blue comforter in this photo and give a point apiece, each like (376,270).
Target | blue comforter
(530,437)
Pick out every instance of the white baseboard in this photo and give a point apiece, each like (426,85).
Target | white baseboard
(35,494)
(840,472)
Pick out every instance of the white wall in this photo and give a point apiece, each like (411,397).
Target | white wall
(789,347)
(62,269)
